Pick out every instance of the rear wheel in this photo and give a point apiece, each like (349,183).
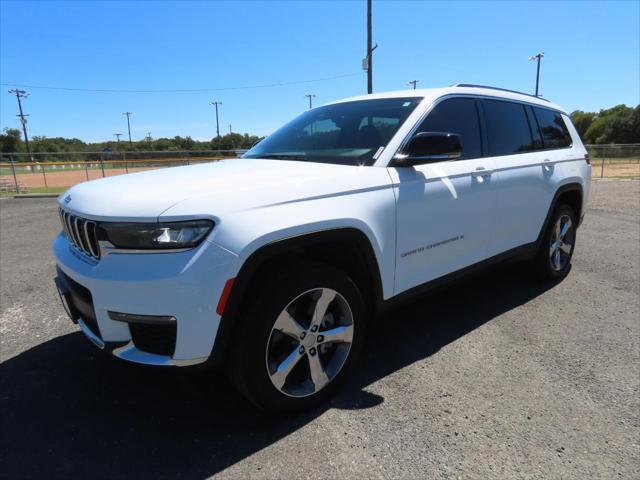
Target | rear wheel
(556,250)
(299,341)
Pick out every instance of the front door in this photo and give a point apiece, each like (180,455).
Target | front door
(445,210)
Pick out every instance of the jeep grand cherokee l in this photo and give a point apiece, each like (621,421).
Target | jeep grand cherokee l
(270,266)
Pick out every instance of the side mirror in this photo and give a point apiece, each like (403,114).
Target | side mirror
(429,147)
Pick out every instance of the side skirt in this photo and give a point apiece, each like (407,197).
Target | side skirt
(523,252)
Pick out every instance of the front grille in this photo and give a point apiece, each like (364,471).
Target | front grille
(158,339)
(81,233)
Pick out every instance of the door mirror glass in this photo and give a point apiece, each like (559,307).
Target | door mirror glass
(429,147)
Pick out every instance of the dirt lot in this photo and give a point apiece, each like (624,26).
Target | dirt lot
(496,377)
(616,170)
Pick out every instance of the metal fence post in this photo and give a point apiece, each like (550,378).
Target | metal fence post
(44,173)
(602,168)
(102,165)
(15,178)
(124,157)
(86,170)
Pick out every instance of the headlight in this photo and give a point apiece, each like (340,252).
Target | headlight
(146,236)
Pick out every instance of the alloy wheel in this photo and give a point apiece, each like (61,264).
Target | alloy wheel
(309,342)
(562,240)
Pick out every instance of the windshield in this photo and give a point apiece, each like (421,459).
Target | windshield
(350,133)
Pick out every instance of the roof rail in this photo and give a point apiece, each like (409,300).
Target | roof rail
(497,88)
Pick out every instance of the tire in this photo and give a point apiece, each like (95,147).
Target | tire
(553,260)
(273,357)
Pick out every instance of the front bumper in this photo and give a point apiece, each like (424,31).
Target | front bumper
(186,285)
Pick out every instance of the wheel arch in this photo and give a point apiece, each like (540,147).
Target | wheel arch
(570,193)
(347,248)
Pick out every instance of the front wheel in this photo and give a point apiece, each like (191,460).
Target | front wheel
(558,243)
(300,340)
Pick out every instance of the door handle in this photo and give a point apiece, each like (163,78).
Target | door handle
(482,172)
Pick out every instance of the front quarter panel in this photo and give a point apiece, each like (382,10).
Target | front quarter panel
(363,201)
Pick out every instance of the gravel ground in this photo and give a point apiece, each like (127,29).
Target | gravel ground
(496,377)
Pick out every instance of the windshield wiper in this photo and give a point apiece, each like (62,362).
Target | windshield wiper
(281,156)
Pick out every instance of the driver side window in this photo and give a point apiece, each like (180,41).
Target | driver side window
(459,116)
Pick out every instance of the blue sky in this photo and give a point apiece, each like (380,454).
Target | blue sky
(592,58)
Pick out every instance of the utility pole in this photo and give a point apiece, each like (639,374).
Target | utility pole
(128,114)
(117,135)
(149,137)
(367,63)
(310,96)
(215,104)
(20,94)
(537,56)
(413,82)
(230,131)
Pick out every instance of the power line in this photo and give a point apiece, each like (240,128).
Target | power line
(180,90)
(20,94)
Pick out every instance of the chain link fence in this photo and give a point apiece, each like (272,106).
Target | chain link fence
(54,172)
(615,161)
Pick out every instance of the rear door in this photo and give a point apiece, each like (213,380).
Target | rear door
(445,210)
(523,172)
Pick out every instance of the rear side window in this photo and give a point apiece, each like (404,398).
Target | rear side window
(459,116)
(508,130)
(552,128)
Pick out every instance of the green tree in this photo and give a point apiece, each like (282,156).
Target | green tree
(10,140)
(582,121)
(620,124)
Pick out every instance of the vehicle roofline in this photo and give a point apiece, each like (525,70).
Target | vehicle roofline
(432,94)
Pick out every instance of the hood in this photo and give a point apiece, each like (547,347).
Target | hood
(226,185)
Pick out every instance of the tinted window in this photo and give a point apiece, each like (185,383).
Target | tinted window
(508,129)
(348,133)
(553,129)
(460,116)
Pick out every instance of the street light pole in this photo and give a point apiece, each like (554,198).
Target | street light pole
(20,94)
(413,82)
(537,56)
(117,135)
(128,114)
(310,96)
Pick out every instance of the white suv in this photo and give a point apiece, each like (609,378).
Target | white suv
(272,265)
